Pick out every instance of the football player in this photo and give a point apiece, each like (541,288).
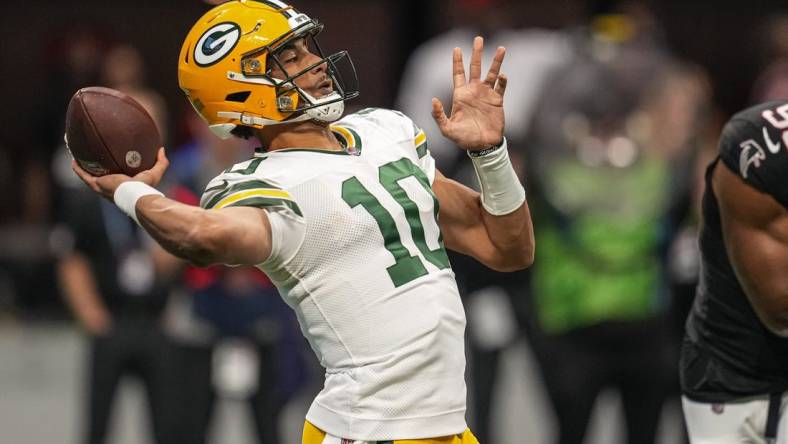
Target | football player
(348,216)
(734,363)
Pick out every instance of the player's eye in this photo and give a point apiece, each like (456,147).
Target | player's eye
(288,56)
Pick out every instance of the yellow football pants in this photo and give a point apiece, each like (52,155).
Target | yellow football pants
(313,435)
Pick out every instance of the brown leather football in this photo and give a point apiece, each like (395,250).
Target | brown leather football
(108,132)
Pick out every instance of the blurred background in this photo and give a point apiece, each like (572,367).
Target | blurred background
(613,111)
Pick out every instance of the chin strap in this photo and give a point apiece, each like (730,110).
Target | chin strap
(330,112)
(222,130)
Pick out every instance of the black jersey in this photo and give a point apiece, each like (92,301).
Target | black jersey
(727,352)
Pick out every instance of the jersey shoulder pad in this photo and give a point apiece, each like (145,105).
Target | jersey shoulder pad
(392,122)
(387,120)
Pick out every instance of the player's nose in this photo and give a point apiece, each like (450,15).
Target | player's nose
(320,67)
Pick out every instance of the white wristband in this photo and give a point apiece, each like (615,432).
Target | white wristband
(502,192)
(128,193)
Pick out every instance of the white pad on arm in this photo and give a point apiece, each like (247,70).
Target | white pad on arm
(502,192)
(128,193)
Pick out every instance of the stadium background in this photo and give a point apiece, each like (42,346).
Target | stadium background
(40,348)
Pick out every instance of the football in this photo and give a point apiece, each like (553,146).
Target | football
(109,132)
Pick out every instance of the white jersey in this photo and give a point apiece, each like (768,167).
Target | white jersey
(357,253)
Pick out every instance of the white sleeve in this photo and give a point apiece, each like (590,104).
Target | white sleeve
(287,235)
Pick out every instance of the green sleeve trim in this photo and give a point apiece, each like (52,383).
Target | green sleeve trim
(267,202)
(243,186)
(421,150)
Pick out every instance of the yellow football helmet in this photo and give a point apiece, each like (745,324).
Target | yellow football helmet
(225,65)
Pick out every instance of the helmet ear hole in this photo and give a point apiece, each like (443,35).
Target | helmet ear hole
(239,96)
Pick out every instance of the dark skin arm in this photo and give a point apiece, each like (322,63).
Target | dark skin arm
(755,231)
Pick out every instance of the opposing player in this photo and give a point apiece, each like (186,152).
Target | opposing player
(734,363)
(348,217)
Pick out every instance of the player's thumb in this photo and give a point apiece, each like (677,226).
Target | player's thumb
(161,160)
(439,114)
(162,163)
(154,175)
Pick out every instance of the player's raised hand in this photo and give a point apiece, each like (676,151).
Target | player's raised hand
(477,119)
(106,185)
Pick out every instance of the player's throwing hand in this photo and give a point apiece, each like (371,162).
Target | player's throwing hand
(477,118)
(106,185)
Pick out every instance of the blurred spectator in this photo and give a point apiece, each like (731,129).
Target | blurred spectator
(232,334)
(611,165)
(109,278)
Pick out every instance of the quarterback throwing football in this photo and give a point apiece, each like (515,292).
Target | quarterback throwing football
(347,215)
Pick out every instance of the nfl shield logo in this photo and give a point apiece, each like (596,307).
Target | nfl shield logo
(718,408)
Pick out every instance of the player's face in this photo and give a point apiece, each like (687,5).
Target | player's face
(297,56)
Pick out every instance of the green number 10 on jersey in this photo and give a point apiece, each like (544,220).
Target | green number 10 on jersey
(407,267)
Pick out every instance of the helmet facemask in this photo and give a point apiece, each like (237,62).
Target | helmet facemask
(293,100)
